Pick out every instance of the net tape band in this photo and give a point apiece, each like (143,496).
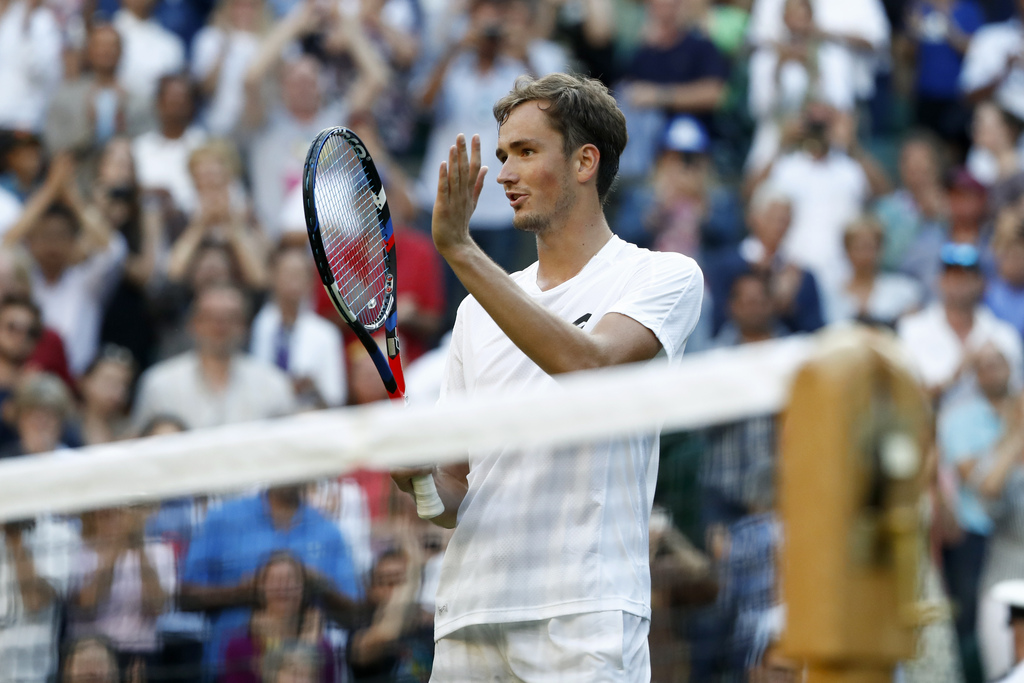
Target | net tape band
(703,389)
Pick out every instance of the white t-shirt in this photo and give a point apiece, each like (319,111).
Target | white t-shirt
(162,163)
(73,305)
(149,51)
(865,19)
(891,297)
(990,49)
(30,65)
(775,94)
(314,350)
(937,351)
(546,533)
(239,49)
(120,617)
(826,195)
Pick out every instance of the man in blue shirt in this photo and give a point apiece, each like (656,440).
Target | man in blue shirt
(238,538)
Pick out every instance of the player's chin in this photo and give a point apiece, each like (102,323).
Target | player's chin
(526,222)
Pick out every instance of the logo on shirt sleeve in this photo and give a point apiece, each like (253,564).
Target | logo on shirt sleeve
(582,320)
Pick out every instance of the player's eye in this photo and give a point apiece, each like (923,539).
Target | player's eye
(527,152)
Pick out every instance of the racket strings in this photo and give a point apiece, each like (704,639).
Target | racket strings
(351,232)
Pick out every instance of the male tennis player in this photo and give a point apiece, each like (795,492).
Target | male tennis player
(546,576)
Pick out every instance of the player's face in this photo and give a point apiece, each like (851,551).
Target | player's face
(534,171)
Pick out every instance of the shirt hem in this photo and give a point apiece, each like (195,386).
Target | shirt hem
(499,616)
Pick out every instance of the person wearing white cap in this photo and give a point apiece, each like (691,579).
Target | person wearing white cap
(1011,594)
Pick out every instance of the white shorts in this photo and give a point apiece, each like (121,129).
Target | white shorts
(597,647)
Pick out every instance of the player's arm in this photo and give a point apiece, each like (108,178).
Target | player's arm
(555,345)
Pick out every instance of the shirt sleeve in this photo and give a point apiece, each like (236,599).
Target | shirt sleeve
(665,297)
(454,380)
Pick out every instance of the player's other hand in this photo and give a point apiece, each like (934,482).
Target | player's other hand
(458,189)
(403,476)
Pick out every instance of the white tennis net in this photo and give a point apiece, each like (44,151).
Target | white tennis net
(166,546)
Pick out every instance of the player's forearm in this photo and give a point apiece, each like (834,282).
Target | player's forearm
(555,345)
(196,598)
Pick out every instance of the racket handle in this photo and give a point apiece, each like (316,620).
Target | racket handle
(428,503)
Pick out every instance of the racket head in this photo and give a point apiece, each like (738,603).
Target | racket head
(349,227)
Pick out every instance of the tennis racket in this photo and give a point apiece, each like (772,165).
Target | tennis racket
(353,242)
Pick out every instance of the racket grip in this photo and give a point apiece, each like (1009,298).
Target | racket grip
(428,503)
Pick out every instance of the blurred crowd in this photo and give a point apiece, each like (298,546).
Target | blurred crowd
(827,163)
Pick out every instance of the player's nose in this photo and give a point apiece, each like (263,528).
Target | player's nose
(506,174)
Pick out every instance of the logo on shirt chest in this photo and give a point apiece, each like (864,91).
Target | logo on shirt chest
(582,320)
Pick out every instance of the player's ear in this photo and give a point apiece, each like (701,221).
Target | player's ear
(585,163)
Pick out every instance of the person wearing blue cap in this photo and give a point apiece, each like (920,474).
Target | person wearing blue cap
(943,338)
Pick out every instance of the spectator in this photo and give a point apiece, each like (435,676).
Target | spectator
(462,84)
(21,163)
(588,28)
(527,42)
(941,338)
(737,454)
(123,584)
(282,615)
(20,326)
(222,217)
(675,70)
(90,660)
(30,64)
(77,259)
(940,33)
(681,576)
(795,296)
(180,633)
(89,111)
(870,295)
(991,68)
(684,209)
(286,333)
(128,320)
(211,264)
(751,313)
(966,199)
(1000,483)
(1004,293)
(862,28)
(968,431)
(41,406)
(148,50)
(221,55)
(36,561)
(396,28)
(215,384)
(919,204)
(161,156)
(397,643)
(238,538)
(786,74)
(829,179)
(16,281)
(106,387)
(994,155)
(282,131)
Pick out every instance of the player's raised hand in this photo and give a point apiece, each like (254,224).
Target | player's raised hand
(458,189)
